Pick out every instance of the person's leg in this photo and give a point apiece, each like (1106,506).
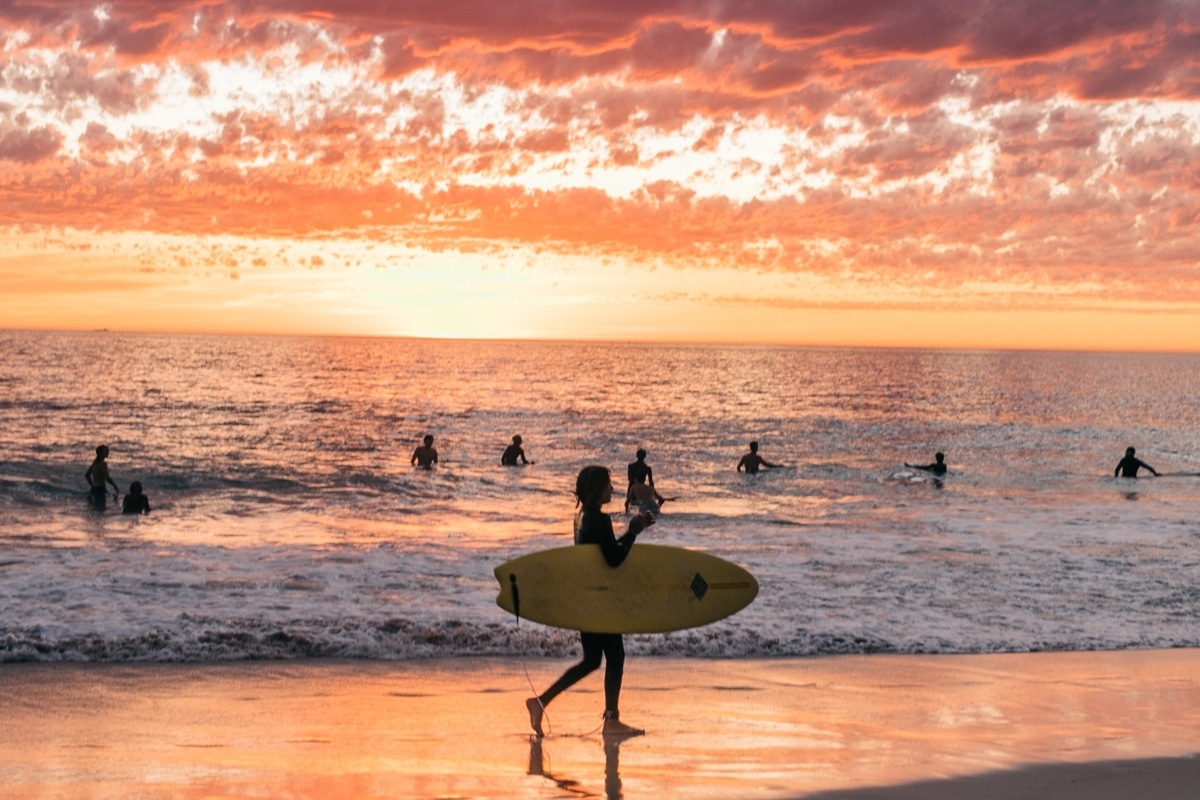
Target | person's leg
(614,671)
(592,652)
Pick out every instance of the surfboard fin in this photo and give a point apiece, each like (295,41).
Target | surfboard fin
(512,579)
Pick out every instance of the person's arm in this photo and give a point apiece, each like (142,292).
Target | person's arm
(413,460)
(742,463)
(1152,470)
(600,531)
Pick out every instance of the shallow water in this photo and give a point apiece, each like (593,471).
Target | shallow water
(288,522)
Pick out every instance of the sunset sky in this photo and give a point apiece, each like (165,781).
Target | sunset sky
(1009,173)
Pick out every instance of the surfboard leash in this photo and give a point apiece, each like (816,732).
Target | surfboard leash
(516,595)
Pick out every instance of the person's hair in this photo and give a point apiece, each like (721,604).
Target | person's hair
(135,487)
(754,445)
(102,450)
(939,456)
(1129,451)
(428,439)
(590,484)
(641,454)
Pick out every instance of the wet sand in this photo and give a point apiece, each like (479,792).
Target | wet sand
(1062,725)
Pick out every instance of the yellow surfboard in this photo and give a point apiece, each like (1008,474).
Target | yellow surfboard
(657,589)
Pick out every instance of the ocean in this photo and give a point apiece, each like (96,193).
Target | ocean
(288,523)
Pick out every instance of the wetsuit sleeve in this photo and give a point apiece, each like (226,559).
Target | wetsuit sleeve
(596,528)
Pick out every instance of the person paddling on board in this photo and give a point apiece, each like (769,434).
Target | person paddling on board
(938,467)
(752,461)
(425,456)
(1129,465)
(511,453)
(593,488)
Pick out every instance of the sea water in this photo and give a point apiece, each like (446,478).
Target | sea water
(288,521)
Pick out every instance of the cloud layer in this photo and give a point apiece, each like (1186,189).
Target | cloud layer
(1044,146)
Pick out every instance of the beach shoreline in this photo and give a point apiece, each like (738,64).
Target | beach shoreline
(879,726)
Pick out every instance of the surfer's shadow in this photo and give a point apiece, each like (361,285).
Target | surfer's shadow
(539,766)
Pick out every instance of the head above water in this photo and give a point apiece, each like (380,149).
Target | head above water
(641,454)
(102,451)
(1129,451)
(516,440)
(939,457)
(591,484)
(428,440)
(754,447)
(135,487)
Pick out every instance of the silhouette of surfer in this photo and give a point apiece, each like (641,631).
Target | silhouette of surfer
(938,467)
(593,488)
(136,502)
(512,453)
(1128,466)
(425,456)
(639,472)
(752,461)
(97,477)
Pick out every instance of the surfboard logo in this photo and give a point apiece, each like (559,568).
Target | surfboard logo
(699,586)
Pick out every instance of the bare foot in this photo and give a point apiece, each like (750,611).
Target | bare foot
(535,715)
(615,729)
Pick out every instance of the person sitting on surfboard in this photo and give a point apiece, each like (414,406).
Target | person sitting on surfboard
(938,467)
(752,461)
(593,488)
(424,456)
(512,453)
(1129,465)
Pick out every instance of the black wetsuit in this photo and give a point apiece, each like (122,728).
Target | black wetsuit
(1129,466)
(593,526)
(136,504)
(511,453)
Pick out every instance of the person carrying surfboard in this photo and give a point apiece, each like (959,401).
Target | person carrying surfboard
(593,488)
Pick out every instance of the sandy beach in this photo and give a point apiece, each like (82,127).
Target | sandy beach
(1060,725)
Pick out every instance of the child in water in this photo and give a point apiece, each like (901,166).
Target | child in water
(135,501)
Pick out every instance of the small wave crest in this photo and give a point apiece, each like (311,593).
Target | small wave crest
(205,639)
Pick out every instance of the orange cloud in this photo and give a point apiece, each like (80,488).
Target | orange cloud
(1050,144)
